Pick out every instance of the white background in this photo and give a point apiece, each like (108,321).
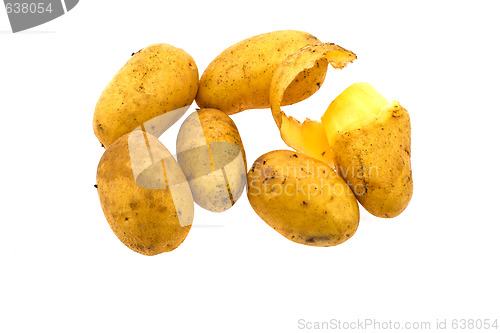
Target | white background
(63,270)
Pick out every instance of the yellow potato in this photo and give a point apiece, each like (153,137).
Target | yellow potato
(152,90)
(211,154)
(239,78)
(371,142)
(144,194)
(302,198)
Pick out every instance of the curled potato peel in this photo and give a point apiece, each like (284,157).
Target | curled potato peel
(309,136)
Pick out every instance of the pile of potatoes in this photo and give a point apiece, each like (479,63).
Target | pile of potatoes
(358,152)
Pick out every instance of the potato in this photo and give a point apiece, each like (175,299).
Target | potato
(371,142)
(239,78)
(144,194)
(302,198)
(211,154)
(152,90)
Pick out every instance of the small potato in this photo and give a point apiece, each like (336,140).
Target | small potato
(211,154)
(239,78)
(144,194)
(302,198)
(152,90)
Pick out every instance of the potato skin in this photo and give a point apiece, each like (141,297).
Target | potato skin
(144,217)
(156,80)
(375,162)
(302,198)
(239,78)
(211,154)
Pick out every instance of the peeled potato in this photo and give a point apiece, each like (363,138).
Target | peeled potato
(371,142)
(366,138)
(144,195)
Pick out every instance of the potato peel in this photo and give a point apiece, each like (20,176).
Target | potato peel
(308,137)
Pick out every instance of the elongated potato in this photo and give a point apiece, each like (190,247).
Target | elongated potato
(239,78)
(211,154)
(302,198)
(371,142)
(152,90)
(144,194)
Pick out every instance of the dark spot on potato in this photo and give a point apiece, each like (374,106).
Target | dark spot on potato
(323,153)
(135,52)
(95,185)
(126,219)
(317,238)
(264,162)
(295,155)
(304,203)
(253,168)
